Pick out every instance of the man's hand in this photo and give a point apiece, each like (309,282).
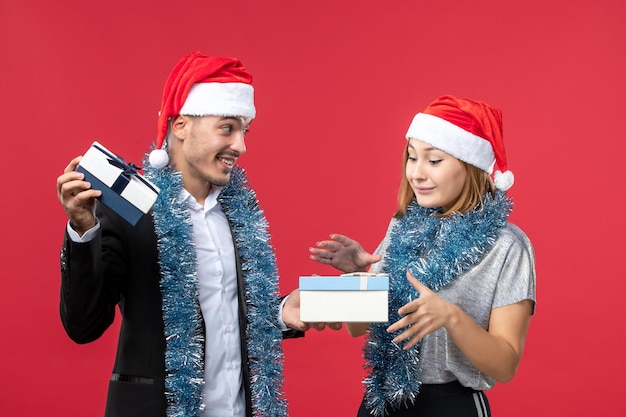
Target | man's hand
(77,198)
(291,315)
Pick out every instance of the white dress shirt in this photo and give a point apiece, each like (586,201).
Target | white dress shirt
(217,279)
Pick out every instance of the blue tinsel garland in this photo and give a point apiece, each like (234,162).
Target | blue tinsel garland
(258,263)
(182,315)
(436,251)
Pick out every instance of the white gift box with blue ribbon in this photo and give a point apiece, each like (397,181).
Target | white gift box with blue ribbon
(124,190)
(358,297)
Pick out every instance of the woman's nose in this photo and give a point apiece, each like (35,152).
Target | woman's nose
(416,172)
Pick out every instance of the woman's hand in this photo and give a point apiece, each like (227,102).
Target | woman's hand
(343,253)
(422,316)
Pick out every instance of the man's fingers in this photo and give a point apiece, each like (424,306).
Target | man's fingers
(84,196)
(71,179)
(318,326)
(303,327)
(74,187)
(334,326)
(73,164)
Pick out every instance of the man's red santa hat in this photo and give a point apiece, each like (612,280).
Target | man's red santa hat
(468,130)
(201,85)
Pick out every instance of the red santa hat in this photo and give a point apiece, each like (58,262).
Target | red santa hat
(468,130)
(201,85)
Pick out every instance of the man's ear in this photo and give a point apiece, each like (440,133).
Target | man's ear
(178,126)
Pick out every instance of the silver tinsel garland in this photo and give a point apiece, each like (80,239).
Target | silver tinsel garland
(182,315)
(436,251)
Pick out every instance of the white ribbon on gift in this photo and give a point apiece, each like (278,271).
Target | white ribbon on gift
(364,276)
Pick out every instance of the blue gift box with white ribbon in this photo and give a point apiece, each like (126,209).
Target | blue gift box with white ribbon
(124,190)
(358,297)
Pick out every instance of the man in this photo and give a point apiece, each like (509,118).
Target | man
(195,280)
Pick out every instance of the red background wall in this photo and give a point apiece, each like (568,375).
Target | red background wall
(337,84)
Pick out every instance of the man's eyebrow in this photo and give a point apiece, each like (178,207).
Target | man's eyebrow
(242,121)
(231,118)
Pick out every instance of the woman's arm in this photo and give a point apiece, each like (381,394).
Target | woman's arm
(496,352)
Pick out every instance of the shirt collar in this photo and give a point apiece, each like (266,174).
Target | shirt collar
(209,202)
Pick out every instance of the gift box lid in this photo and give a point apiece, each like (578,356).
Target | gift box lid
(124,190)
(345,282)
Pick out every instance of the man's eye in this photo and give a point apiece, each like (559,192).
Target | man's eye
(245,131)
(227,128)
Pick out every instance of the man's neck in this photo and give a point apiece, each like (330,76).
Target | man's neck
(198,191)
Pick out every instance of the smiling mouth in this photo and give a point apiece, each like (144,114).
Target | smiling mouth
(230,162)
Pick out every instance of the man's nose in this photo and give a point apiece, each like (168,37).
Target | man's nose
(239,143)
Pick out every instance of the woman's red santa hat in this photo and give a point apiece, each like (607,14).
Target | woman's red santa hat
(201,85)
(468,130)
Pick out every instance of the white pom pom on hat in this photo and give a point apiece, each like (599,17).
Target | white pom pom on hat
(201,85)
(467,129)
(158,158)
(503,180)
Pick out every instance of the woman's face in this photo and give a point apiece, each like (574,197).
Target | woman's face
(436,178)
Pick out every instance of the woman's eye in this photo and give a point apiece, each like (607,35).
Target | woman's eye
(435,161)
(412,158)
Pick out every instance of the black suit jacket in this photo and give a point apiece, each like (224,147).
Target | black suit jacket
(120,268)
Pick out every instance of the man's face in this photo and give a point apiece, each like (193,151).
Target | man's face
(209,148)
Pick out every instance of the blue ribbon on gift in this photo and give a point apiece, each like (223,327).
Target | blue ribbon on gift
(129,170)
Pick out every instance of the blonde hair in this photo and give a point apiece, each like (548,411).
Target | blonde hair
(477,184)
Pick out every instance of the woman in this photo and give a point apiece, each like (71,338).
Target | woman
(462,278)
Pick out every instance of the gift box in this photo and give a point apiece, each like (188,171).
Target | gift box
(124,190)
(358,297)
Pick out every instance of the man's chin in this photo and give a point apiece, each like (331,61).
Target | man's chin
(221,181)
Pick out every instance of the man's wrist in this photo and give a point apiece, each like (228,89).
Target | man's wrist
(281,324)
(85,236)
(81,230)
